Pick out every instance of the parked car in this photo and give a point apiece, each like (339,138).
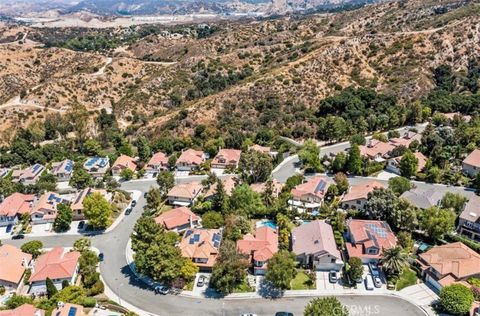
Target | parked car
(101,256)
(134,203)
(128,211)
(374,269)
(201,281)
(377,281)
(283,314)
(145,194)
(162,289)
(333,276)
(9,228)
(175,291)
(81,225)
(368,282)
(249,314)
(19,236)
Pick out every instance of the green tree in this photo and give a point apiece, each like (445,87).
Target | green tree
(325,306)
(284,225)
(354,160)
(406,241)
(143,149)
(453,201)
(394,260)
(339,163)
(51,289)
(33,247)
(81,179)
(165,181)
(220,199)
(342,183)
(281,269)
(82,244)
(212,219)
(154,199)
(64,218)
(244,201)
(399,185)
(17,301)
(255,166)
(97,211)
(88,268)
(126,174)
(408,164)
(92,147)
(456,299)
(436,222)
(355,268)
(309,156)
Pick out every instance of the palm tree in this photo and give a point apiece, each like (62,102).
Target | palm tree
(394,260)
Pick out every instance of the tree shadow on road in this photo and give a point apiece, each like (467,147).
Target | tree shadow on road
(267,290)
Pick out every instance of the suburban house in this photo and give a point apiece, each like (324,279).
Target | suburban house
(227,158)
(201,246)
(68,309)
(423,199)
(452,116)
(45,209)
(58,265)
(469,219)
(394,163)
(471,164)
(450,263)
(314,245)
(260,187)
(406,139)
(179,219)
(23,310)
(376,150)
(264,150)
(62,170)
(367,239)
(259,247)
(14,262)
(190,159)
(77,201)
(184,194)
(123,162)
(157,163)
(357,195)
(13,206)
(97,166)
(229,184)
(29,175)
(309,196)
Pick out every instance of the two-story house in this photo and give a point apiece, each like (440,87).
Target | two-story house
(393,164)
(471,164)
(13,262)
(179,219)
(123,162)
(201,246)
(97,166)
(77,201)
(314,245)
(23,310)
(309,196)
(45,208)
(357,195)
(227,158)
(62,170)
(376,150)
(190,159)
(157,163)
(259,247)
(184,194)
(58,265)
(469,219)
(14,206)
(367,239)
(28,175)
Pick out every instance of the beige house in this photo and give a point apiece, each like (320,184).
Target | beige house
(13,263)
(184,194)
(357,195)
(469,219)
(471,164)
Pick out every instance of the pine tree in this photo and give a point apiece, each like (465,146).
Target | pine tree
(51,289)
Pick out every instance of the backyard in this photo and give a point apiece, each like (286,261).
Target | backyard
(406,278)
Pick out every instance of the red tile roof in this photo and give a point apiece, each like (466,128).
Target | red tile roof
(24,310)
(360,191)
(261,186)
(317,186)
(186,190)
(55,264)
(158,159)
(473,159)
(191,157)
(263,245)
(375,148)
(199,244)
(17,203)
(368,233)
(314,237)
(125,162)
(176,217)
(13,263)
(227,157)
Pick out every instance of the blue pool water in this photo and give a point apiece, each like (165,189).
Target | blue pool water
(270,224)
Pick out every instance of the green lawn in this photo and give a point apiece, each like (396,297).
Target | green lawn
(407,278)
(243,287)
(301,282)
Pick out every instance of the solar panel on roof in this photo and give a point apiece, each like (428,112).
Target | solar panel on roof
(72,311)
(191,241)
(196,237)
(320,186)
(188,233)
(216,244)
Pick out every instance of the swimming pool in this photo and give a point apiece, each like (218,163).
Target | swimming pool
(267,223)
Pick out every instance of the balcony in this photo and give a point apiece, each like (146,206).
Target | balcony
(472,226)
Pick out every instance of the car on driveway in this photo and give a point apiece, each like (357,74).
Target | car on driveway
(374,269)
(81,225)
(162,289)
(201,281)
(368,282)
(333,276)
(19,236)
(283,314)
(377,281)
(9,229)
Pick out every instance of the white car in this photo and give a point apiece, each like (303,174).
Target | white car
(369,283)
(248,314)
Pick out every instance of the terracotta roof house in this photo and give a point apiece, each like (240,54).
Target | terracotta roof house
(45,208)
(97,166)
(226,158)
(394,163)
(423,199)
(376,150)
(184,194)
(406,139)
(157,163)
(314,245)
(260,247)
(23,310)
(13,206)
(308,196)
(59,265)
(451,116)
(229,184)
(201,246)
(367,239)
(357,195)
(77,201)
(179,219)
(29,175)
(261,186)
(471,164)
(123,162)
(62,170)
(469,219)
(262,149)
(190,159)
(450,263)
(68,309)
(13,263)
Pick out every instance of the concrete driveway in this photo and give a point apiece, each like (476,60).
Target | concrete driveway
(324,284)
(421,294)
(200,291)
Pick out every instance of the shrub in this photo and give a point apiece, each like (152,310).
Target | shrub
(89,302)
(456,299)
(96,288)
